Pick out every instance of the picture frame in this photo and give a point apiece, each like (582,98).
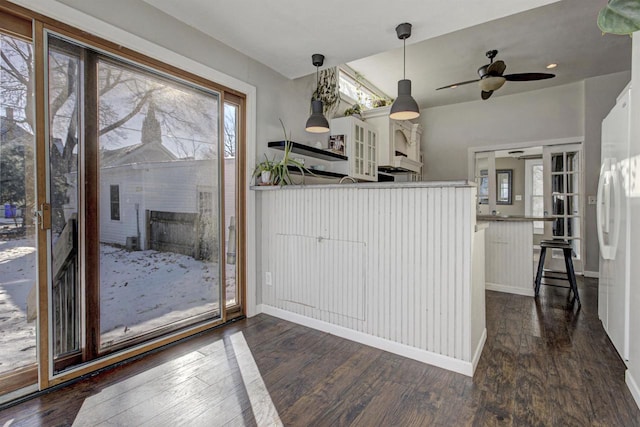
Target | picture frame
(337,144)
(504,187)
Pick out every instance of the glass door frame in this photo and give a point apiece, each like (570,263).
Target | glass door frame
(556,261)
(16,25)
(48,376)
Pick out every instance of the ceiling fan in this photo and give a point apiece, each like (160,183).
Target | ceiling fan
(492,77)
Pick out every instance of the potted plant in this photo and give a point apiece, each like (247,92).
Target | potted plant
(328,91)
(381,102)
(620,17)
(276,172)
(355,110)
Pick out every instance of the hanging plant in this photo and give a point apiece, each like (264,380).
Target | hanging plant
(620,17)
(328,91)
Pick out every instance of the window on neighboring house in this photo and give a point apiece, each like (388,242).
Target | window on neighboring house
(534,193)
(115,202)
(357,89)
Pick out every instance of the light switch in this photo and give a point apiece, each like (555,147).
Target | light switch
(267,278)
(592,200)
(518,197)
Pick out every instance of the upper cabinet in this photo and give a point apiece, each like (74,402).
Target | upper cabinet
(399,142)
(361,140)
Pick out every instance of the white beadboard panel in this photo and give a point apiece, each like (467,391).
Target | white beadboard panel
(509,257)
(393,263)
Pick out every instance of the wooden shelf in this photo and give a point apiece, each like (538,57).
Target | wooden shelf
(316,173)
(307,150)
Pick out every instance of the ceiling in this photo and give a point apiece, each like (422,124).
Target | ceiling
(448,43)
(284,34)
(564,33)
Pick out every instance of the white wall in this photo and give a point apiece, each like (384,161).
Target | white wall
(533,116)
(633,374)
(572,110)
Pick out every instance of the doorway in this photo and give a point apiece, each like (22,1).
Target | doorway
(535,180)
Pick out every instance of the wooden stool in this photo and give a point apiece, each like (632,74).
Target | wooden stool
(570,273)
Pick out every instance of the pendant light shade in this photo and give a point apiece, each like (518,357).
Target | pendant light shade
(404,107)
(317,122)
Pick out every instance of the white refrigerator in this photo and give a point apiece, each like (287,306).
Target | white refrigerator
(613,216)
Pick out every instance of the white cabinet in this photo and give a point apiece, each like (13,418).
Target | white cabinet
(361,141)
(399,142)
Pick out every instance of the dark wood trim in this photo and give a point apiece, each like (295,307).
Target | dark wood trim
(41,120)
(14,25)
(91,203)
(18,378)
(239,309)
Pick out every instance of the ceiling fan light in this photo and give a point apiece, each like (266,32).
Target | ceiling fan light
(490,83)
(404,107)
(317,122)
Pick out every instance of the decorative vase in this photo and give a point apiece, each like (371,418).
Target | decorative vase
(265,177)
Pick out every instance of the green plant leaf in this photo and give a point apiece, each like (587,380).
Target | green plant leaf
(620,17)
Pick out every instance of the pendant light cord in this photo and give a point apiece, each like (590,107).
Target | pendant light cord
(404,59)
(317,82)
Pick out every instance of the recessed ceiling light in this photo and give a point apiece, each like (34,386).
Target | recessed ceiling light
(552,66)
(454,86)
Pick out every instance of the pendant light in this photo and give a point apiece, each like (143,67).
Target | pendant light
(404,107)
(317,122)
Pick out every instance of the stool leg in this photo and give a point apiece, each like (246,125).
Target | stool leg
(571,274)
(543,252)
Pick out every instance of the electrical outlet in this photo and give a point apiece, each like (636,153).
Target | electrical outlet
(267,278)
(518,197)
(592,200)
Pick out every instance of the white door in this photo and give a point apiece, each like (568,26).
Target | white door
(563,201)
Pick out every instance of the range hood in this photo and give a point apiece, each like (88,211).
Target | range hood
(398,142)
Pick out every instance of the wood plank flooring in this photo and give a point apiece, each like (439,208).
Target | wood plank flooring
(544,364)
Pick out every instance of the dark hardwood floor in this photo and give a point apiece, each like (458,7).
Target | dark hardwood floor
(544,364)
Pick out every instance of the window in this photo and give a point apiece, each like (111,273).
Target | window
(114,196)
(534,194)
(356,88)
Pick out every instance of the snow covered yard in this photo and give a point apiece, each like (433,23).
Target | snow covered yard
(140,291)
(17,276)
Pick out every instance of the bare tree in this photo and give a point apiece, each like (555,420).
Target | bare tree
(125,95)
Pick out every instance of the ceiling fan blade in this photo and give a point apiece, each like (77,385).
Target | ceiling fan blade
(458,84)
(496,68)
(525,77)
(486,95)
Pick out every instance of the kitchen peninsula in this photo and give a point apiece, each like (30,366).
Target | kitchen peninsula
(509,253)
(398,266)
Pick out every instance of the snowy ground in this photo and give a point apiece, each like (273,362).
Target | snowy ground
(17,276)
(140,291)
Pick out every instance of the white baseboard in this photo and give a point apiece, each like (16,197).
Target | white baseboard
(435,359)
(478,352)
(509,289)
(633,387)
(591,274)
(259,309)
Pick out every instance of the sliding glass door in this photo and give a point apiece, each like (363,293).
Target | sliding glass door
(134,187)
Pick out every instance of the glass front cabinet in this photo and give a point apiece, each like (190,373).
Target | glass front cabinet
(361,141)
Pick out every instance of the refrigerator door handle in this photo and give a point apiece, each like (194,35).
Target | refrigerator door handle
(607,182)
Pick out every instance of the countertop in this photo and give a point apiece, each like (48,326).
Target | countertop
(369,185)
(520,218)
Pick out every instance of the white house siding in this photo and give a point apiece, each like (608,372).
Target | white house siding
(165,186)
